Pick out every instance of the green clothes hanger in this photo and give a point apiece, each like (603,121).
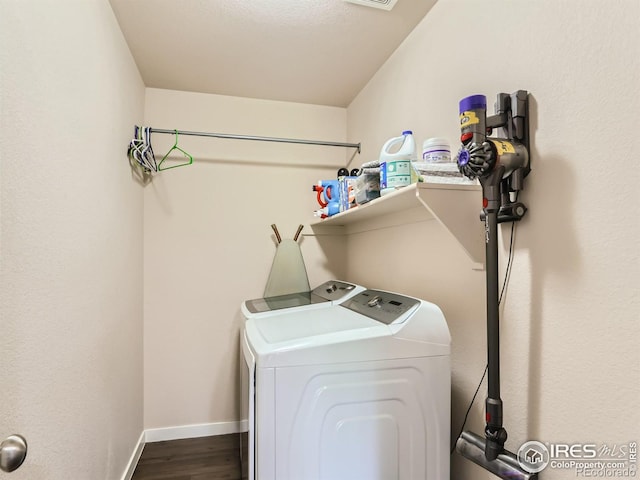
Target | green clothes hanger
(188,158)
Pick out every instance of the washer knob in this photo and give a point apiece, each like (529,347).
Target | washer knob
(375,301)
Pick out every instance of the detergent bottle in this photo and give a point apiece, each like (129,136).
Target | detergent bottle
(328,196)
(395,162)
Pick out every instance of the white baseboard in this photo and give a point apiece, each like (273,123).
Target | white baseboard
(135,456)
(194,431)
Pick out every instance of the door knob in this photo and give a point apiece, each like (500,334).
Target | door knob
(13,451)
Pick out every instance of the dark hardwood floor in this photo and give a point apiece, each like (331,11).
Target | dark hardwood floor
(206,458)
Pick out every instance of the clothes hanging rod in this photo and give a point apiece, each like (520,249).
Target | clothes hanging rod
(259,139)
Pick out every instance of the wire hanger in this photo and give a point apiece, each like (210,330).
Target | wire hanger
(176,147)
(133,148)
(140,149)
(147,151)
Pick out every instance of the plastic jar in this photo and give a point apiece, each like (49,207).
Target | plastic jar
(436,150)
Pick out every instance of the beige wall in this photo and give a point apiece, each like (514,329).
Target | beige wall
(571,369)
(73,245)
(208,243)
(71,240)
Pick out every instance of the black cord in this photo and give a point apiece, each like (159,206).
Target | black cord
(507,274)
(453,447)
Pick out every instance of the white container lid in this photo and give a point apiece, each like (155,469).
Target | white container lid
(436,141)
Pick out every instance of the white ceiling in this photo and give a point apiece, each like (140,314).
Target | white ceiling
(309,51)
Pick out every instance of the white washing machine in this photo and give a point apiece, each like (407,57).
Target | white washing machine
(325,295)
(359,390)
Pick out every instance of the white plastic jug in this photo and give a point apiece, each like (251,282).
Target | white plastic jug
(395,162)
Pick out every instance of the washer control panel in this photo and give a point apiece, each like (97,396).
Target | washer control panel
(385,307)
(333,290)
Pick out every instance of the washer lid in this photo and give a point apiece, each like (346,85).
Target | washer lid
(308,326)
(267,304)
(325,293)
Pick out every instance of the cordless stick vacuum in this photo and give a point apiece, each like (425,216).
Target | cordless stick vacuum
(500,164)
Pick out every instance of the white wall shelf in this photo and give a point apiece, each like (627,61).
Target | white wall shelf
(456,207)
